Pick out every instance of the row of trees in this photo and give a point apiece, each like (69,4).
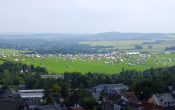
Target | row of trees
(17,73)
(14,74)
(52,47)
(75,87)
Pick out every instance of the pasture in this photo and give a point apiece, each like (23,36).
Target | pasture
(1,62)
(55,64)
(95,64)
(11,51)
(157,46)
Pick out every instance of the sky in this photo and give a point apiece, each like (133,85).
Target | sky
(87,16)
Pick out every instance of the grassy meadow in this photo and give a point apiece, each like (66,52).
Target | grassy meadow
(130,44)
(55,64)
(11,51)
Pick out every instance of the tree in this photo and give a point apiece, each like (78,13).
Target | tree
(150,47)
(6,77)
(89,103)
(17,80)
(56,88)
(64,90)
(138,47)
(49,100)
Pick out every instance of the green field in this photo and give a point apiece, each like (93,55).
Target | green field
(55,64)
(11,51)
(1,62)
(130,44)
(60,65)
(116,44)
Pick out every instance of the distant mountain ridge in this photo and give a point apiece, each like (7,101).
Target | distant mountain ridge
(92,37)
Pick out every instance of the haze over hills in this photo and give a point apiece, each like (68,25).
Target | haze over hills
(92,37)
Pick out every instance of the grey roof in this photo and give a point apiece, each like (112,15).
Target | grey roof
(31,95)
(31,90)
(5,94)
(49,107)
(53,76)
(35,93)
(7,104)
(109,88)
(112,85)
(117,87)
(165,99)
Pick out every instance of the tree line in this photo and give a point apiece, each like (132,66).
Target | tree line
(75,87)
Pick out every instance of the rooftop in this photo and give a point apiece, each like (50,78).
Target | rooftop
(165,99)
(150,106)
(35,93)
(130,96)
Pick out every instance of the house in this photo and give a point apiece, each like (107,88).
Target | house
(171,90)
(108,88)
(130,97)
(164,99)
(7,94)
(120,101)
(12,104)
(105,87)
(34,94)
(53,76)
(133,53)
(112,102)
(11,101)
(32,97)
(50,107)
(22,86)
(76,108)
(150,106)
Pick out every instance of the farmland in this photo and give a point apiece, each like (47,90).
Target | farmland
(156,46)
(96,63)
(108,63)
(1,62)
(11,51)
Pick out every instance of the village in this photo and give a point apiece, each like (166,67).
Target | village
(108,96)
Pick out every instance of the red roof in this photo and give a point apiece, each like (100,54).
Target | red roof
(76,108)
(114,98)
(151,106)
(131,97)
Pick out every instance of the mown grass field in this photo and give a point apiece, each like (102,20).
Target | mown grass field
(11,51)
(60,65)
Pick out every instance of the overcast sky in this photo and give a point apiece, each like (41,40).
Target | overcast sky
(87,16)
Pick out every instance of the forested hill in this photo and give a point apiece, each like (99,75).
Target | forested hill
(170,48)
(91,37)
(130,36)
(72,43)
